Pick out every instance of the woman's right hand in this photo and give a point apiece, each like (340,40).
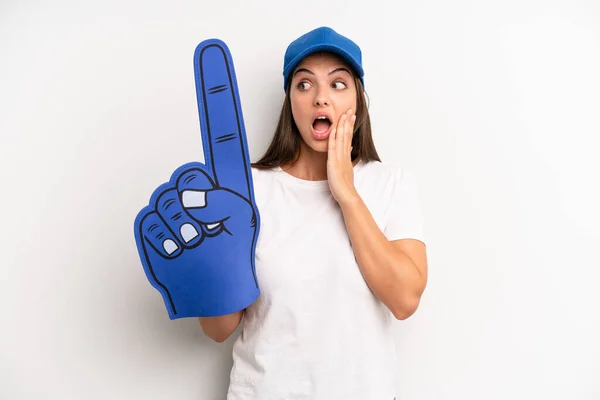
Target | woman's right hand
(220,328)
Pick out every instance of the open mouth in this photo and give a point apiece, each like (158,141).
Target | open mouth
(321,126)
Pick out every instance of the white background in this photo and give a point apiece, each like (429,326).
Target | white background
(495,105)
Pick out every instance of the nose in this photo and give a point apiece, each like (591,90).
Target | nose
(322,99)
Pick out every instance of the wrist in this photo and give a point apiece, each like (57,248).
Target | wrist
(350,200)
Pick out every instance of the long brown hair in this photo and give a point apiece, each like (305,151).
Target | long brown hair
(285,146)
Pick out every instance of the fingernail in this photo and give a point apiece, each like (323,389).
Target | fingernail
(188,232)
(169,246)
(193,198)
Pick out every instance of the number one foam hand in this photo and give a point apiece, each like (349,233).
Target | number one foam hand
(197,237)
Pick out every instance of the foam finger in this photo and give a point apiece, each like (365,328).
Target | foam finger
(170,209)
(157,235)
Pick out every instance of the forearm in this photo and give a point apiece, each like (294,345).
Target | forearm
(220,328)
(390,273)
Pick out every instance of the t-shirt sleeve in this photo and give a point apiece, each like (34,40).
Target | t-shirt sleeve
(404,217)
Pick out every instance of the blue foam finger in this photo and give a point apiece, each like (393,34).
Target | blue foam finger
(158,236)
(197,236)
(154,241)
(188,231)
(223,130)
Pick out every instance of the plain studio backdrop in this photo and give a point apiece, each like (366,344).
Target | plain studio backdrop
(493,104)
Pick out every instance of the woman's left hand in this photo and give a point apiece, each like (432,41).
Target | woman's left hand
(340,171)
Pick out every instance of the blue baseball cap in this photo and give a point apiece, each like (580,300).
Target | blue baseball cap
(322,39)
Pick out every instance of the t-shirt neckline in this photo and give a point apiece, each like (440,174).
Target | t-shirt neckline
(319,185)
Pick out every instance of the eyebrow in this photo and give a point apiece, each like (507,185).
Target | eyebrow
(312,73)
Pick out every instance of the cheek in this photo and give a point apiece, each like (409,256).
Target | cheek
(350,102)
(300,111)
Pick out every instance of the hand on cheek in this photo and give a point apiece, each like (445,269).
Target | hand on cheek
(340,172)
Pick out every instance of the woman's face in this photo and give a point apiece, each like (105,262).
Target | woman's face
(322,90)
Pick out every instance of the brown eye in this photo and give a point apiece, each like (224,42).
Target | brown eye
(339,85)
(303,85)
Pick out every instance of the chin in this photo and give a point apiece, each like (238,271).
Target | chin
(320,146)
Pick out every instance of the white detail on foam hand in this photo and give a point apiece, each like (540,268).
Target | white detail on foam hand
(170,246)
(212,226)
(193,198)
(188,232)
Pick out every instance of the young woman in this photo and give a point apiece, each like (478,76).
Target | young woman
(341,251)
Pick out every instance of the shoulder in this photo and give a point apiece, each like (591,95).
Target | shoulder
(386,184)
(262,173)
(263,182)
(385,173)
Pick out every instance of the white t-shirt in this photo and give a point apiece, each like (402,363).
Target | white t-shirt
(317,332)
